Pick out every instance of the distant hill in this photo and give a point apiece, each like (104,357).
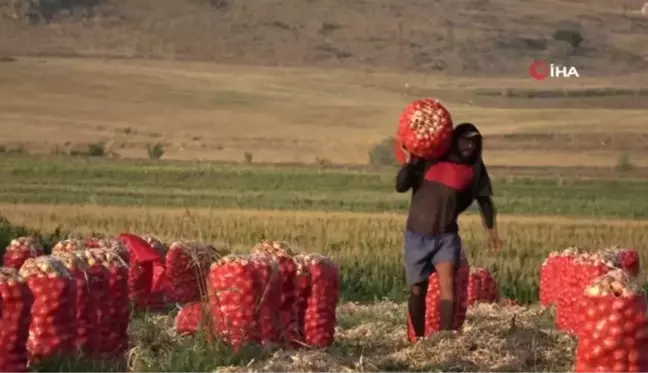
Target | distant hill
(449,36)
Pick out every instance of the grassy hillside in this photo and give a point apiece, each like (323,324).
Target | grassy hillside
(452,36)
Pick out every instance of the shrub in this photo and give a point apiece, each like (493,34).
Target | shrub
(382,154)
(570,36)
(155,151)
(624,163)
(97,150)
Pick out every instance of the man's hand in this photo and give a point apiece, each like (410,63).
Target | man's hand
(408,156)
(493,241)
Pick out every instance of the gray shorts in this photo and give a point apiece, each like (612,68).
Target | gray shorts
(422,253)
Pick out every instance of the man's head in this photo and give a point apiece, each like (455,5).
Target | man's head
(467,142)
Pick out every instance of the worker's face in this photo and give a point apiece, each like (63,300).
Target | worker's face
(466,147)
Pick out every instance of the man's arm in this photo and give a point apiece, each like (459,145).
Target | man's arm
(484,199)
(487,209)
(410,174)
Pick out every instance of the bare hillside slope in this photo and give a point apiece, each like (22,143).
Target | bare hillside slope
(451,36)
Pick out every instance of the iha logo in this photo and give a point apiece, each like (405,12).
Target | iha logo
(540,70)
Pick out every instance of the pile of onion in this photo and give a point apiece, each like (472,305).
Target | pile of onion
(117,312)
(68,246)
(283,255)
(77,267)
(323,293)
(187,265)
(21,249)
(433,298)
(191,317)
(553,272)
(425,129)
(614,332)
(53,326)
(15,316)
(144,271)
(583,269)
(627,259)
(110,244)
(482,287)
(267,284)
(233,299)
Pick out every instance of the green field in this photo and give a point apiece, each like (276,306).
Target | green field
(350,215)
(104,182)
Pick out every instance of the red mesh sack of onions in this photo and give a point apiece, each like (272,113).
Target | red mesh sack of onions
(77,267)
(433,297)
(425,129)
(187,265)
(583,269)
(68,246)
(191,317)
(233,298)
(549,271)
(267,284)
(554,272)
(627,259)
(614,336)
(283,255)
(482,287)
(141,271)
(157,297)
(15,303)
(302,293)
(116,320)
(323,293)
(21,249)
(52,329)
(98,308)
(110,244)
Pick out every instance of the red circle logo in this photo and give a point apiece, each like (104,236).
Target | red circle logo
(539,70)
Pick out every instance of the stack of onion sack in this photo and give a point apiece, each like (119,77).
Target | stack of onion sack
(614,336)
(157,298)
(583,270)
(482,287)
(425,129)
(321,299)
(68,246)
(433,298)
(52,329)
(267,283)
(288,312)
(98,307)
(21,249)
(77,268)
(233,299)
(187,264)
(116,270)
(189,319)
(15,305)
(110,244)
(144,259)
(627,259)
(557,265)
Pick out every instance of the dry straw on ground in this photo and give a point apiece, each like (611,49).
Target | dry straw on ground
(371,338)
